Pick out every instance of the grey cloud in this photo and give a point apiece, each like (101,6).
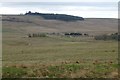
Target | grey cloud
(23,4)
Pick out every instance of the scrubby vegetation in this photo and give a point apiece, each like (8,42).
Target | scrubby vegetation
(114,36)
(72,34)
(37,35)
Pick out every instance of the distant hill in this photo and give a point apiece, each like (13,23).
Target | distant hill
(35,24)
(62,17)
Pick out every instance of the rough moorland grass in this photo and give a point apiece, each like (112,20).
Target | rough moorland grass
(59,57)
(58,71)
(62,71)
(47,49)
(13,72)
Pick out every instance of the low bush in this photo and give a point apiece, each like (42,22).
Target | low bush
(114,36)
(37,35)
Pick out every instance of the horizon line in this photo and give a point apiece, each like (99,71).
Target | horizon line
(73,15)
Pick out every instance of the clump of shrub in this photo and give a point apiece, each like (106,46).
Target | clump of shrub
(114,36)
(37,35)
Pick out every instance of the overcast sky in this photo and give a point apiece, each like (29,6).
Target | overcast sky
(83,8)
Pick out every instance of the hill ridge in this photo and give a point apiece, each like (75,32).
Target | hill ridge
(52,16)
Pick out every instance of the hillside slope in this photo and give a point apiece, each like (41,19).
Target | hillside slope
(30,24)
(51,16)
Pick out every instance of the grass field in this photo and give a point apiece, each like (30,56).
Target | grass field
(58,56)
